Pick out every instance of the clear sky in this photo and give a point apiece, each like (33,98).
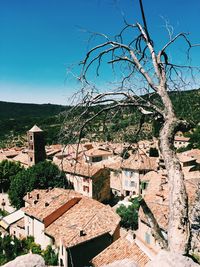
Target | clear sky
(40,39)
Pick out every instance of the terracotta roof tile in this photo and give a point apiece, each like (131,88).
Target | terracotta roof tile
(157,196)
(55,199)
(140,162)
(88,215)
(119,250)
(181,138)
(80,167)
(22,157)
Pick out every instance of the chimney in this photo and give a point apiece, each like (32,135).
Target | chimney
(82,233)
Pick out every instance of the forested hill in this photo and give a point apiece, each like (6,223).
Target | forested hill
(10,110)
(187,105)
(17,118)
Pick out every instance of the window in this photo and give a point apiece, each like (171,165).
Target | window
(31,147)
(132,183)
(31,159)
(96,159)
(147,238)
(127,173)
(126,183)
(144,185)
(86,188)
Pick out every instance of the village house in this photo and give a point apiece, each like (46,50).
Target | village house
(123,248)
(77,226)
(92,180)
(180,141)
(156,197)
(14,224)
(97,154)
(133,169)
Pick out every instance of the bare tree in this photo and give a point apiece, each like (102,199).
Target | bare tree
(146,75)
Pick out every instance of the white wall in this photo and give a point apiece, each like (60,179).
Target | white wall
(130,181)
(35,228)
(39,235)
(63,255)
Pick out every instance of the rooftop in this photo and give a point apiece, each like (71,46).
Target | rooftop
(140,162)
(121,249)
(80,167)
(35,128)
(85,214)
(89,216)
(55,198)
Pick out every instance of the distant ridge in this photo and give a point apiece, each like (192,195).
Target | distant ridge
(17,118)
(9,110)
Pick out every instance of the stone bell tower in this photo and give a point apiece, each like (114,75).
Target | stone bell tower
(36,145)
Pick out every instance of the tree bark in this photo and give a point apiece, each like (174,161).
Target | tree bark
(178,227)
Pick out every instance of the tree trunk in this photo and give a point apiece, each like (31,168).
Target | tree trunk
(178,227)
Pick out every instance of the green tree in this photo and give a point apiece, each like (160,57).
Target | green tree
(50,256)
(8,169)
(129,215)
(41,176)
(195,138)
(18,188)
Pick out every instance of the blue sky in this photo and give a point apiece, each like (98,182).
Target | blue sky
(40,39)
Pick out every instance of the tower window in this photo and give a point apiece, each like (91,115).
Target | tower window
(31,159)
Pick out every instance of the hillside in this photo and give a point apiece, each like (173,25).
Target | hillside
(10,110)
(17,118)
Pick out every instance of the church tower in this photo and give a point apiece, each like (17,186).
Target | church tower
(36,145)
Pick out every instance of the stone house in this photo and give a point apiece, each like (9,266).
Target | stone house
(133,169)
(92,180)
(14,224)
(156,196)
(77,226)
(181,141)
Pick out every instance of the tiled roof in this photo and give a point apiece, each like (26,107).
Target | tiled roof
(195,153)
(95,152)
(157,196)
(10,153)
(160,212)
(140,162)
(80,167)
(3,157)
(22,158)
(53,149)
(88,215)
(181,138)
(20,223)
(55,198)
(119,250)
(185,158)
